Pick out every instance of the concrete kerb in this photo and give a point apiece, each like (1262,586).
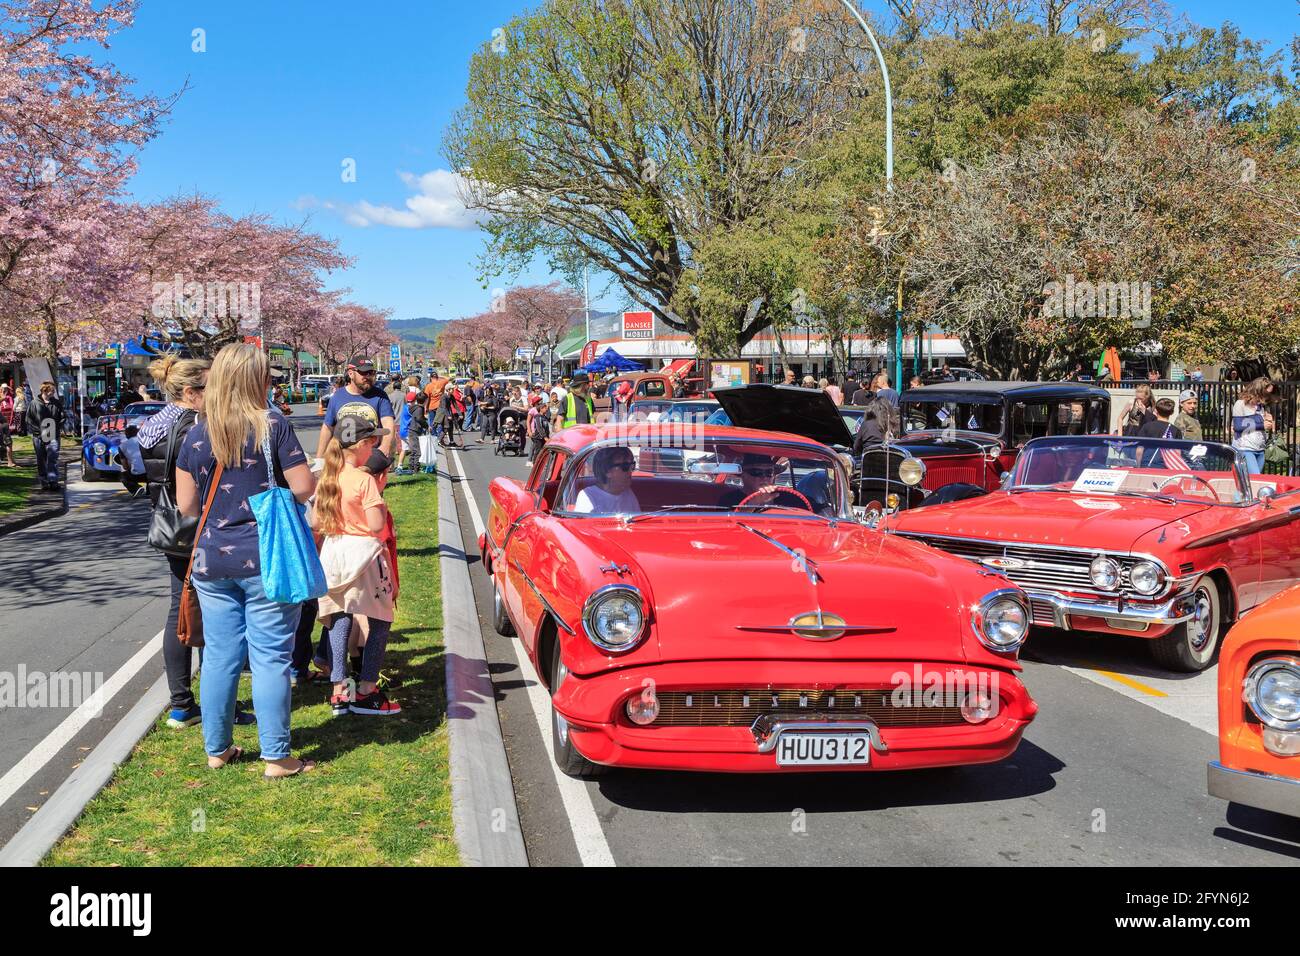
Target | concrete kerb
(484,813)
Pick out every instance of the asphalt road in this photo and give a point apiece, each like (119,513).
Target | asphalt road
(1112,772)
(82,594)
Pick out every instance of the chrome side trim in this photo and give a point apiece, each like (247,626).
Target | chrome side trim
(1262,790)
(542,597)
(767,730)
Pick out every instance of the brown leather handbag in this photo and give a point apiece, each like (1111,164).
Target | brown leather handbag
(189,622)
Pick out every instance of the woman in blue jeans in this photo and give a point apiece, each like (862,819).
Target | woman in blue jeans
(238,618)
(1251,424)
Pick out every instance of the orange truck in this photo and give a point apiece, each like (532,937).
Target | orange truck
(1259,709)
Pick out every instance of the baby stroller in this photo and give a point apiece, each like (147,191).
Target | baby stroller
(511,436)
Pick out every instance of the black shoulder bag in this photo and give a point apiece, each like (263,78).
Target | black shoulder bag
(170,531)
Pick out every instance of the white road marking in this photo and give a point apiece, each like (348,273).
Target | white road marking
(58,738)
(593,848)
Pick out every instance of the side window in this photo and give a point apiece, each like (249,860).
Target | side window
(1029,421)
(652,388)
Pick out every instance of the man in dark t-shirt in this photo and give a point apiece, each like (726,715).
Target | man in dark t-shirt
(361,389)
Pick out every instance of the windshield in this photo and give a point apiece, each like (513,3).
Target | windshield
(965,416)
(694,413)
(689,473)
(1149,467)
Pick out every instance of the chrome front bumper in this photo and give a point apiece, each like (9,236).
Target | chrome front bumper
(1261,790)
(1116,613)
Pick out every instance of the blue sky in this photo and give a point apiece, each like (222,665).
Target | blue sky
(287,90)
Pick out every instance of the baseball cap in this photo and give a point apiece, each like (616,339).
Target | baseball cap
(361,364)
(350,429)
(1185,394)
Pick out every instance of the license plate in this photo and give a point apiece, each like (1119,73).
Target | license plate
(804,749)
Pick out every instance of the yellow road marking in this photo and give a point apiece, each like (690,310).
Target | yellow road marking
(91,504)
(1130,682)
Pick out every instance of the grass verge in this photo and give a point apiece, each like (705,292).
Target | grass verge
(16,484)
(381,793)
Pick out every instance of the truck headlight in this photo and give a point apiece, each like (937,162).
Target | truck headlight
(1272,691)
(1104,573)
(614,617)
(1001,620)
(1147,577)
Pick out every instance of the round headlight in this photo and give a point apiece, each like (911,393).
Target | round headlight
(1272,690)
(99,448)
(1147,577)
(614,617)
(1104,573)
(1001,620)
(911,471)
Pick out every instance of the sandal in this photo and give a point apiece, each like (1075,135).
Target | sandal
(232,754)
(303,766)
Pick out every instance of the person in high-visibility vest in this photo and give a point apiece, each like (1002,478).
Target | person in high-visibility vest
(577,408)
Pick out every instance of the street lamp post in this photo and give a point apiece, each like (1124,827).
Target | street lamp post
(889,178)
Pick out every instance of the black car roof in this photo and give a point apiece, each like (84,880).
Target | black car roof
(964,391)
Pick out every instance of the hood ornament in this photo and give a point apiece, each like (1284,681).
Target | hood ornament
(615,568)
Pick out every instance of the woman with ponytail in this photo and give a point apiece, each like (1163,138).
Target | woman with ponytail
(349,511)
(225,456)
(161,439)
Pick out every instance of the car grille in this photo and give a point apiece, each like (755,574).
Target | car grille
(969,469)
(1042,613)
(740,708)
(1045,568)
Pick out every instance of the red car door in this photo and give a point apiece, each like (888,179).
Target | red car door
(1279,543)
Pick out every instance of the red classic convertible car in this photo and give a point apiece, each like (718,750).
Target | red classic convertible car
(1157,538)
(720,609)
(1259,710)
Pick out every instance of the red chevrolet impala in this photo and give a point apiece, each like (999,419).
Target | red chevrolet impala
(701,598)
(1161,539)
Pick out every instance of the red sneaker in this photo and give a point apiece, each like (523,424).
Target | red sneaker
(375,704)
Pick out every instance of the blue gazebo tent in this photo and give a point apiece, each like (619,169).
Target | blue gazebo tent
(610,361)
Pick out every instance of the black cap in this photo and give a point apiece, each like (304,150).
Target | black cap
(361,364)
(350,429)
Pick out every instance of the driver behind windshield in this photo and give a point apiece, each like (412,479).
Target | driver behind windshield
(756,473)
(612,492)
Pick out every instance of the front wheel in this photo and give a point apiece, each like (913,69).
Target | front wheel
(1191,646)
(567,758)
(90,474)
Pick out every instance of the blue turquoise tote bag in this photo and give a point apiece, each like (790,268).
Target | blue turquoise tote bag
(291,568)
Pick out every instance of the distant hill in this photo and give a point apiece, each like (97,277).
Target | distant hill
(423,331)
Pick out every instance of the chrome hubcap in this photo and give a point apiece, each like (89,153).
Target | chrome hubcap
(1201,626)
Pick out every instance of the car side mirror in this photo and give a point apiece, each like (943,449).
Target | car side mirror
(1004,479)
(1266,495)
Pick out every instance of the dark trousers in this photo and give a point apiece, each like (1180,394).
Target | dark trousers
(489,423)
(302,638)
(47,460)
(177,659)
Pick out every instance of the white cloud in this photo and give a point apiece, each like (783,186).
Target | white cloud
(436,204)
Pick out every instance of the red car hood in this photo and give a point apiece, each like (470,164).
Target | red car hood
(709,580)
(1047,517)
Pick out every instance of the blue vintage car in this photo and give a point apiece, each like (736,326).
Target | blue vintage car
(100,460)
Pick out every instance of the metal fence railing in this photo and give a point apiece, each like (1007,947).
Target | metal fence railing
(1214,411)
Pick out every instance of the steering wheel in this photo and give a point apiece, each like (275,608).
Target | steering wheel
(1185,474)
(779,490)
